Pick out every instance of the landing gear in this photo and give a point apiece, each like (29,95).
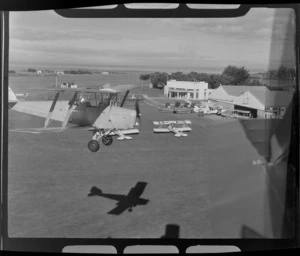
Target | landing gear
(93,145)
(130,209)
(107,140)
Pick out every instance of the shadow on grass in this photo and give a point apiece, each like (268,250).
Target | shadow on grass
(125,202)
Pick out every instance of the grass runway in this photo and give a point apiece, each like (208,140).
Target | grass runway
(50,176)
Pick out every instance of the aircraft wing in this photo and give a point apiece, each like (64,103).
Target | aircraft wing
(124,132)
(118,210)
(136,191)
(81,90)
(179,129)
(37,130)
(123,87)
(112,89)
(41,109)
(129,131)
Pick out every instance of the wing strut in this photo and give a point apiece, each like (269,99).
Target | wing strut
(67,117)
(51,109)
(124,98)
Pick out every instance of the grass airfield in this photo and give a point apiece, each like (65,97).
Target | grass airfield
(50,177)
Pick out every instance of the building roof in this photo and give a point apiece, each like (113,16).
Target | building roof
(274,98)
(262,94)
(237,90)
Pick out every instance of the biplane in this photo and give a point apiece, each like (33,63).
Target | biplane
(102,114)
(132,199)
(177,127)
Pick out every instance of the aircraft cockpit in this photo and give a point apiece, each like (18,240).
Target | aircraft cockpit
(96,100)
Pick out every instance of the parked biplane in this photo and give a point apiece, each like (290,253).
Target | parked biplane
(102,114)
(177,127)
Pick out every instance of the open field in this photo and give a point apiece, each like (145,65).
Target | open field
(50,176)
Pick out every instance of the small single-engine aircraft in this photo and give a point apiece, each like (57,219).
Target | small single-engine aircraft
(132,199)
(177,127)
(208,110)
(102,114)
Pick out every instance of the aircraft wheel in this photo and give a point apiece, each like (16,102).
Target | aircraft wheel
(93,145)
(107,140)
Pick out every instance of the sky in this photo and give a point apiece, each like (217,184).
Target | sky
(258,41)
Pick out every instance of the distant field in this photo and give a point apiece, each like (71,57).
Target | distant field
(21,84)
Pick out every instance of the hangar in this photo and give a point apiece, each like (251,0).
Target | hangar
(258,101)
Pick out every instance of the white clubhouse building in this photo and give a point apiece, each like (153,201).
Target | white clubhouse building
(186,90)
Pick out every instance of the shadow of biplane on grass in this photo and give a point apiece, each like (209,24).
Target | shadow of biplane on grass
(125,202)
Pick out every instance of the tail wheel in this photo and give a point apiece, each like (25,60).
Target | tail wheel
(93,145)
(107,140)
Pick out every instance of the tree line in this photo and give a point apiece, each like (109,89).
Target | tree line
(231,75)
(282,73)
(77,72)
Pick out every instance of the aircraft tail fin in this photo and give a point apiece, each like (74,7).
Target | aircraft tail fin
(95,191)
(12,98)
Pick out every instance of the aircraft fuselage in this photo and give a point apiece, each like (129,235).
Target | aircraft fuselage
(103,116)
(84,115)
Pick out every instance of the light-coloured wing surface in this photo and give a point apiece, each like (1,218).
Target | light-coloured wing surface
(123,87)
(80,90)
(112,89)
(41,109)
(129,131)
(179,129)
(38,130)
(124,132)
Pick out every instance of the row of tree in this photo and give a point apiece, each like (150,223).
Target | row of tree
(77,72)
(283,73)
(231,75)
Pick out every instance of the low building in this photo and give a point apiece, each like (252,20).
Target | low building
(39,71)
(186,90)
(259,101)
